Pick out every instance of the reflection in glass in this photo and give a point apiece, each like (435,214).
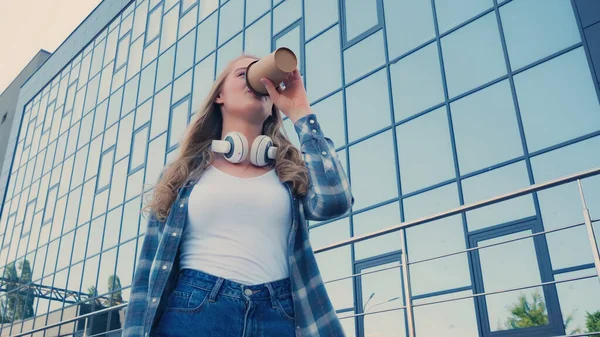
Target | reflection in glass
(485,128)
(558,100)
(498,264)
(424,151)
(382,291)
(494,183)
(374,220)
(404,16)
(417,82)
(368,106)
(125,263)
(364,57)
(81,239)
(96,231)
(373,183)
(553,27)
(107,269)
(579,302)
(566,160)
(360,16)
(473,55)
(323,64)
(448,319)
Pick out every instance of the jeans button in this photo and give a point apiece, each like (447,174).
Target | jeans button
(248,292)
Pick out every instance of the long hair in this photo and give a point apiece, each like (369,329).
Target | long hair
(195,154)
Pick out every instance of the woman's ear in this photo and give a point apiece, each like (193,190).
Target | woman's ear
(219,99)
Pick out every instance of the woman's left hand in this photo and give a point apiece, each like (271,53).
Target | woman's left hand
(292,101)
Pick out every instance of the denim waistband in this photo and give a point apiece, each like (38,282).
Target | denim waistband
(277,289)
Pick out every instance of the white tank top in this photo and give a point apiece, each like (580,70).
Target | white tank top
(238,227)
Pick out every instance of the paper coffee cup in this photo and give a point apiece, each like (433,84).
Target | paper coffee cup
(275,66)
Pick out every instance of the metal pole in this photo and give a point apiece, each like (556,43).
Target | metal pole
(407,296)
(85,327)
(590,230)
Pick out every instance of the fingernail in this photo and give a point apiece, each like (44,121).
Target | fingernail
(263,81)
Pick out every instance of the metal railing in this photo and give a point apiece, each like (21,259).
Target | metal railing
(405,263)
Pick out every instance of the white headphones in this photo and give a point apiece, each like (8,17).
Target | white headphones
(234,148)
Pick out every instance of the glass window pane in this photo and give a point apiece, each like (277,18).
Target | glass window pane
(498,264)
(450,13)
(92,165)
(364,57)
(417,82)
(323,64)
(105,168)
(553,27)
(448,319)
(96,231)
(424,151)
(566,160)
(558,100)
(258,37)
(147,82)
(138,157)
(203,80)
(131,220)
(360,16)
(134,184)
(135,58)
(150,53)
(207,7)
(112,228)
(141,16)
(368,106)
(166,64)
(185,54)
(409,24)
(473,55)
(231,21)
(384,289)
(114,107)
(374,220)
(373,183)
(494,183)
(285,14)
(125,264)
(107,271)
(182,86)
(130,96)
(255,8)
(187,23)
(119,179)
(485,128)
(228,52)
(168,35)
(579,301)
(318,15)
(90,276)
(160,119)
(123,51)
(330,113)
(142,115)
(291,40)
(178,123)
(207,37)
(156,159)
(81,240)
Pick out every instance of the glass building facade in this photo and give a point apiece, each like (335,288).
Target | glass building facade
(432,104)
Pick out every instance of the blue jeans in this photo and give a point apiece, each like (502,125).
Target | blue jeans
(206,305)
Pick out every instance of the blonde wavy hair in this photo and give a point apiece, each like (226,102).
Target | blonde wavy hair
(195,154)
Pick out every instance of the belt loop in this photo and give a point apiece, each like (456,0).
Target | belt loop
(215,290)
(271,295)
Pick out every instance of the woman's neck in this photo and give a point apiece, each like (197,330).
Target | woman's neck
(248,129)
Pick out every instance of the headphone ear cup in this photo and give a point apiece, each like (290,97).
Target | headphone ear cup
(239,147)
(259,153)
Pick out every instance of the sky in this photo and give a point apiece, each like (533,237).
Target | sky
(26,26)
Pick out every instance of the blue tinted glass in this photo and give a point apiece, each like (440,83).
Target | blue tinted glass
(291,40)
(448,319)
(179,119)
(106,165)
(578,299)
(207,37)
(451,13)
(558,100)
(140,19)
(409,24)
(125,264)
(494,183)
(147,82)
(168,34)
(368,105)
(187,22)
(473,55)
(156,159)
(107,269)
(330,113)
(285,14)
(123,51)
(207,7)
(135,58)
(114,107)
(150,53)
(186,4)
(231,21)
(140,141)
(485,128)
(374,220)
(553,27)
(182,86)
(424,151)
(373,183)
(258,37)
(417,82)
(255,8)
(112,228)
(386,290)
(323,64)
(228,52)
(160,119)
(318,14)
(185,54)
(130,95)
(154,21)
(567,160)
(364,57)
(166,63)
(203,79)
(124,138)
(360,16)
(111,49)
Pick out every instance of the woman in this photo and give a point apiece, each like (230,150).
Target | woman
(226,251)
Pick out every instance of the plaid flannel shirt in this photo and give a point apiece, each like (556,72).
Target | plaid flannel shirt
(329,196)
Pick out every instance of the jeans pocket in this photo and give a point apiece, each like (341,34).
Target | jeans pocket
(187,298)
(285,306)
